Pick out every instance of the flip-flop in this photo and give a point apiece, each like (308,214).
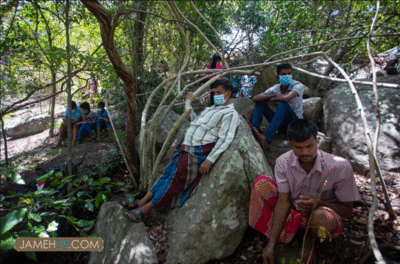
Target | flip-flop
(137,213)
(127,205)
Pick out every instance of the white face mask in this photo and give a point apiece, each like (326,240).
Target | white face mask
(219,99)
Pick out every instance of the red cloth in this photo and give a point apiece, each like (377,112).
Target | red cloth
(262,204)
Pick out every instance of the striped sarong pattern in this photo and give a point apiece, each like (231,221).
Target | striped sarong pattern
(181,177)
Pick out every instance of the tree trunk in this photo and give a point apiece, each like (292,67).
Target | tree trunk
(107,29)
(69,126)
(53,104)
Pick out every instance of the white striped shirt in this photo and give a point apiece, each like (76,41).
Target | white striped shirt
(215,124)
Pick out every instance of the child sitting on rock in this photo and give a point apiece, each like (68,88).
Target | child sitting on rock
(103,120)
(88,123)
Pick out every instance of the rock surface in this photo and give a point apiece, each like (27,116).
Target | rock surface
(210,224)
(29,126)
(124,242)
(312,108)
(343,124)
(265,80)
(244,106)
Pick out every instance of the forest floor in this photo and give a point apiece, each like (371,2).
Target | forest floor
(351,247)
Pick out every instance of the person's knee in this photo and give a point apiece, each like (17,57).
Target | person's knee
(323,221)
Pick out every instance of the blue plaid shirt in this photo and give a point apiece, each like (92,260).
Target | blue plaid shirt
(102,114)
(74,114)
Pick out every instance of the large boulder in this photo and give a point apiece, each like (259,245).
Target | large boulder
(166,127)
(265,80)
(29,125)
(118,118)
(343,124)
(211,224)
(124,242)
(244,106)
(312,108)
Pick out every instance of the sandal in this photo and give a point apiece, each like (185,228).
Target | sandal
(127,205)
(138,216)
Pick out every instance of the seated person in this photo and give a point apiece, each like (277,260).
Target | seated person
(208,136)
(393,66)
(88,123)
(76,117)
(289,94)
(279,207)
(247,83)
(103,120)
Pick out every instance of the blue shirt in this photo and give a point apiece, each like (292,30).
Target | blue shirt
(74,113)
(102,114)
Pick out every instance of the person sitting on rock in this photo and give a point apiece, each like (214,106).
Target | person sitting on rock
(88,123)
(310,186)
(209,135)
(393,65)
(103,120)
(289,94)
(76,117)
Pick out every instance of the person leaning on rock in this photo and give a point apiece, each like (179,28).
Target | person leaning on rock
(309,183)
(208,136)
(393,66)
(289,94)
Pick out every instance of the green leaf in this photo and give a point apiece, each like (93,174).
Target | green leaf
(12,219)
(89,206)
(7,244)
(39,228)
(94,235)
(31,255)
(104,180)
(35,217)
(79,194)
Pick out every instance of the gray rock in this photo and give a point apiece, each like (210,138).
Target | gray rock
(28,126)
(278,146)
(166,127)
(343,124)
(118,118)
(312,108)
(124,242)
(211,224)
(244,106)
(265,80)
(307,93)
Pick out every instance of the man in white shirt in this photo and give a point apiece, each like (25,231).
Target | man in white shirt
(209,135)
(289,94)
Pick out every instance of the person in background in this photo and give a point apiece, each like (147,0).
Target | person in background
(88,123)
(289,94)
(310,185)
(215,64)
(103,120)
(76,117)
(92,88)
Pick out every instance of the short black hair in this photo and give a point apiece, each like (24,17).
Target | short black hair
(226,84)
(283,66)
(301,130)
(73,105)
(85,105)
(101,105)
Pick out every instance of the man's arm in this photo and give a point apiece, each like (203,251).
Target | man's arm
(76,120)
(191,98)
(281,212)
(284,97)
(306,204)
(263,97)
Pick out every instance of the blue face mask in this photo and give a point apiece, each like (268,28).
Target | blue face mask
(219,99)
(285,79)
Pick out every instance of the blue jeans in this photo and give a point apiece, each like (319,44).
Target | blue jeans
(102,123)
(88,127)
(277,121)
